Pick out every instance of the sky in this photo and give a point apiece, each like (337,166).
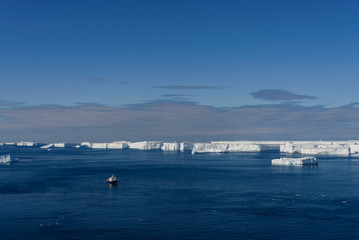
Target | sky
(198,70)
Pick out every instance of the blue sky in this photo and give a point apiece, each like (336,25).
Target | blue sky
(143,55)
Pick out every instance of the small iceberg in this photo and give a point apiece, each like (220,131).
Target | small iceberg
(295,161)
(7,159)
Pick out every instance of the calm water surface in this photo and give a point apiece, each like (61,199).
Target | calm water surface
(63,194)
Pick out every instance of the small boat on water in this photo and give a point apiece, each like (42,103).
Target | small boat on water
(112,180)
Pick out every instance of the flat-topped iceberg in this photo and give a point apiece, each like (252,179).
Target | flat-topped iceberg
(295,161)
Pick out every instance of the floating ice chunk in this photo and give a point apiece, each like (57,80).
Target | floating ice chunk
(7,159)
(295,161)
(146,145)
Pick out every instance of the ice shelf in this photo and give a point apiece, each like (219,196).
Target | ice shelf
(339,148)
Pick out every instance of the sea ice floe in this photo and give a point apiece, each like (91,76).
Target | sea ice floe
(295,161)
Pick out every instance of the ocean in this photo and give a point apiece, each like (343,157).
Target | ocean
(63,194)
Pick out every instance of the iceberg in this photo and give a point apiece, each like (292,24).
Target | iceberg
(7,159)
(295,161)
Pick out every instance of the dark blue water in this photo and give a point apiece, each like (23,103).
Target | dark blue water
(62,194)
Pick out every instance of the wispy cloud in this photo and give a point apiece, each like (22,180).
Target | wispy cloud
(279,95)
(179,121)
(174,95)
(102,80)
(4,103)
(188,87)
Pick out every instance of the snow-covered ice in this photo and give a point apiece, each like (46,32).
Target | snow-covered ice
(295,161)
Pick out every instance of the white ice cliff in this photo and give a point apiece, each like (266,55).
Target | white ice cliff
(338,148)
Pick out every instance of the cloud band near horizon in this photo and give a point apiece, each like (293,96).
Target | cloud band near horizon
(178,121)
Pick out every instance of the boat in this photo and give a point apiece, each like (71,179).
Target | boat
(112,180)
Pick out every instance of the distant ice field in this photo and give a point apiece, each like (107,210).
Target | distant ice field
(63,194)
